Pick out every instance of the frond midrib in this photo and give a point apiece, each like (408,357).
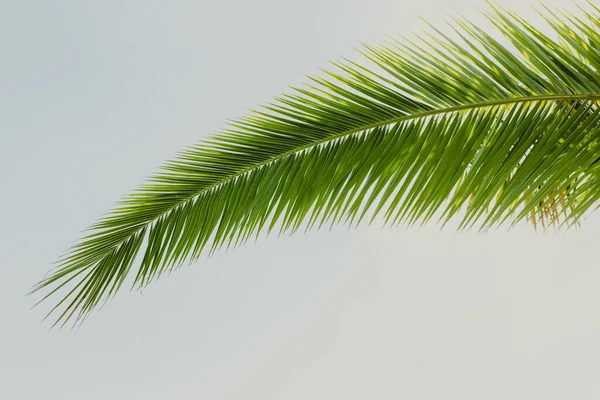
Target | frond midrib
(463,107)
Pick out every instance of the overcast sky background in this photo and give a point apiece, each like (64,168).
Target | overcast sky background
(95,95)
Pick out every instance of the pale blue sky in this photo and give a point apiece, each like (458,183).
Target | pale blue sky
(95,95)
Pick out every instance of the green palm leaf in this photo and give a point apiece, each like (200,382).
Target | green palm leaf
(433,129)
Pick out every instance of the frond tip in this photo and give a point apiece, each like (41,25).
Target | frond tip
(441,128)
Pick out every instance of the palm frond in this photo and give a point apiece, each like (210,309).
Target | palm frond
(432,129)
